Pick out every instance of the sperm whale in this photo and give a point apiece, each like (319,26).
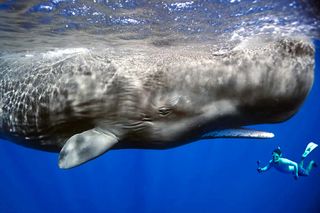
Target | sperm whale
(83,102)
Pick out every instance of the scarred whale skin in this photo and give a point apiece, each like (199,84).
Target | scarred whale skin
(83,102)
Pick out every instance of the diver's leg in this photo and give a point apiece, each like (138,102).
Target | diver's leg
(311,165)
(301,162)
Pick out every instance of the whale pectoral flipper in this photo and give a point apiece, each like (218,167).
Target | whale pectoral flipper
(85,146)
(237,133)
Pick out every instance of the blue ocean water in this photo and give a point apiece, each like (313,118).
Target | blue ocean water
(206,176)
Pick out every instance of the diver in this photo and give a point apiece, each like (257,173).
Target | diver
(288,166)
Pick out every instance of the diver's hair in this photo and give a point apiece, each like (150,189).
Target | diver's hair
(278,151)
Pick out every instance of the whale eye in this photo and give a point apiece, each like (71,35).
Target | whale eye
(164,111)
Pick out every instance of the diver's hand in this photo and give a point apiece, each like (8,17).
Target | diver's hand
(258,163)
(259,168)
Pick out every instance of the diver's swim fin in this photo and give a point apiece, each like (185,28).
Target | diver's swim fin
(238,133)
(311,146)
(85,146)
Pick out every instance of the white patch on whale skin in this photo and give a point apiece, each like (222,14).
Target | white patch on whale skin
(61,52)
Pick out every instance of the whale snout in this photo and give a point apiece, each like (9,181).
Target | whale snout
(297,48)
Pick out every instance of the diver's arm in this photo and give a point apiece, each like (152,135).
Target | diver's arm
(265,168)
(295,165)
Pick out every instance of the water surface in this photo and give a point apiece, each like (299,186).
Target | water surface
(207,176)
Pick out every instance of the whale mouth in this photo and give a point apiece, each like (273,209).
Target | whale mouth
(238,133)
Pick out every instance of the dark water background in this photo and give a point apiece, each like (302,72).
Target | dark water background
(207,176)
